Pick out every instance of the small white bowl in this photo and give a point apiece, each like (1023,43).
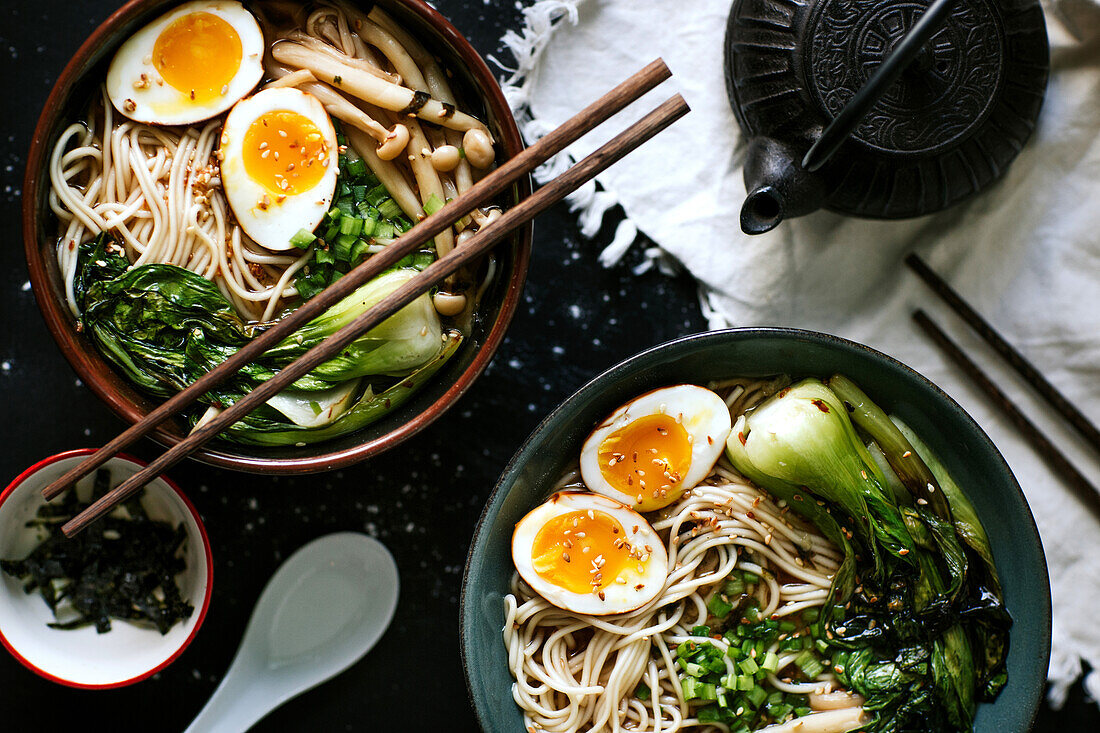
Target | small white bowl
(83,658)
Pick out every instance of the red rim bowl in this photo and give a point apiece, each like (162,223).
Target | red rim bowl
(67,102)
(83,658)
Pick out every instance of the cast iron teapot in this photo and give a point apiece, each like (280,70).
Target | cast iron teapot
(880,108)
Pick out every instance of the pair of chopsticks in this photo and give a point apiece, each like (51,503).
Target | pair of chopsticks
(481,193)
(1082,487)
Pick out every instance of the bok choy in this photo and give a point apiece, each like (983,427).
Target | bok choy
(915,620)
(164,327)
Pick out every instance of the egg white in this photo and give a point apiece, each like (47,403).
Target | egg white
(271,222)
(703,415)
(137,90)
(640,580)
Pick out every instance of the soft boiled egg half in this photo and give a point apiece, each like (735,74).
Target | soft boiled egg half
(279,164)
(589,554)
(188,65)
(651,450)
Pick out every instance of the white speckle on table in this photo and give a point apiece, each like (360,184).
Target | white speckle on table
(575,311)
(26,286)
(515,363)
(5,366)
(559,350)
(253,504)
(87,432)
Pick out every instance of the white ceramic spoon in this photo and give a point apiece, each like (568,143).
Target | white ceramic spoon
(322,610)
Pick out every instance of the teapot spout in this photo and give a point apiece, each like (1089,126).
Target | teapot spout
(778,186)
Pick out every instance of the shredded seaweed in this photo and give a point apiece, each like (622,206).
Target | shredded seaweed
(122,567)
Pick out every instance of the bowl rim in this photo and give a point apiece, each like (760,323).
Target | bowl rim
(209,561)
(93,369)
(496,498)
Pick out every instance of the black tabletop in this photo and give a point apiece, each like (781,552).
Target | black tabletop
(422,500)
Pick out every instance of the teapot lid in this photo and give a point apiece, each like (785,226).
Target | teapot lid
(946,129)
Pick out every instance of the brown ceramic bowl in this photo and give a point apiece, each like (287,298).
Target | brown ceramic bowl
(473,83)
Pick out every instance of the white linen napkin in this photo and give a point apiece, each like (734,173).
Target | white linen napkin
(1025,253)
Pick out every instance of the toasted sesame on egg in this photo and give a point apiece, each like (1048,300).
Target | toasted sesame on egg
(651,450)
(589,554)
(187,65)
(279,164)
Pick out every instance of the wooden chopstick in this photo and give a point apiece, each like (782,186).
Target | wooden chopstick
(1054,458)
(481,193)
(1015,359)
(480,243)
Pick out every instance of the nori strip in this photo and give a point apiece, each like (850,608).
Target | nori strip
(123,568)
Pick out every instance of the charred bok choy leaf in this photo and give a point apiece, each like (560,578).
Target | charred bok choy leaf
(915,620)
(121,567)
(164,327)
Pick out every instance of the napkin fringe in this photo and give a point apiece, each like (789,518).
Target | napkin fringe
(590,203)
(1066,668)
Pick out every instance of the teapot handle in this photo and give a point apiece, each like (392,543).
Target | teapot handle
(884,77)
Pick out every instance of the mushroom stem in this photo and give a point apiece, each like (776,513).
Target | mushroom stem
(328,67)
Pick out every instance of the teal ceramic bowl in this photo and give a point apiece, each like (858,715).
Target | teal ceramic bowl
(964,448)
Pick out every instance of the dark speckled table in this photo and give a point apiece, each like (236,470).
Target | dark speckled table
(421,500)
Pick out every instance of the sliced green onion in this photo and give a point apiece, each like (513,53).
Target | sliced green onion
(733,587)
(359,252)
(383,230)
(388,209)
(718,607)
(810,665)
(357,167)
(302,238)
(686,649)
(377,195)
(432,205)
(351,226)
(757,695)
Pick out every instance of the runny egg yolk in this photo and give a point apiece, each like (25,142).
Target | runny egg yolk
(285,152)
(581,552)
(198,54)
(646,459)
